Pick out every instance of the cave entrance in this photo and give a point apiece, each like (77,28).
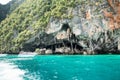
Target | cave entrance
(64,44)
(65,26)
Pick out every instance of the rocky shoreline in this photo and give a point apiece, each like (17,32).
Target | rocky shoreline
(66,42)
(67,51)
(69,43)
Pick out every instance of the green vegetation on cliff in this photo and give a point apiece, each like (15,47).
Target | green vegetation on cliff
(28,19)
(26,25)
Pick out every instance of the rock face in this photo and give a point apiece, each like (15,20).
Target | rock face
(59,50)
(86,31)
(119,43)
(48,52)
(62,35)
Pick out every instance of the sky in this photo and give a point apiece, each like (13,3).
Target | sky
(4,1)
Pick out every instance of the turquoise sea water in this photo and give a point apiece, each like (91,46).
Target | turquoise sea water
(102,67)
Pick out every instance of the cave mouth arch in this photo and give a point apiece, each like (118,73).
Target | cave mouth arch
(65,26)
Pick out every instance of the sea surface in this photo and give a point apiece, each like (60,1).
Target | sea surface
(55,67)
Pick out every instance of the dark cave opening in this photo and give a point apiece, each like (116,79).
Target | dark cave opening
(64,44)
(65,26)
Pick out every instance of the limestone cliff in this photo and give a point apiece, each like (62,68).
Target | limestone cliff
(67,27)
(88,30)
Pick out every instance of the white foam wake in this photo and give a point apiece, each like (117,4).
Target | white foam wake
(10,71)
(2,55)
(27,54)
